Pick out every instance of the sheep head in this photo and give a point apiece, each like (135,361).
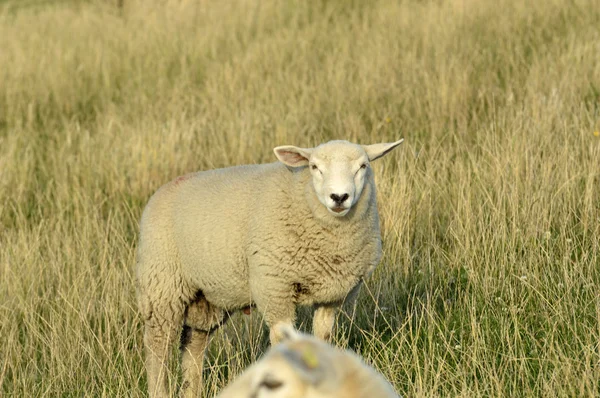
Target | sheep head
(296,368)
(339,169)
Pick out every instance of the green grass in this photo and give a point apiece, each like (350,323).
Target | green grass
(490,281)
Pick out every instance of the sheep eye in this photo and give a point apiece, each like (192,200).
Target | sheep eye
(271,384)
(363,166)
(314,167)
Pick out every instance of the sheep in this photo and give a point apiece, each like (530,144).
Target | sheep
(303,231)
(305,367)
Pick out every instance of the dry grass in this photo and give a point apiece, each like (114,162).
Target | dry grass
(491,209)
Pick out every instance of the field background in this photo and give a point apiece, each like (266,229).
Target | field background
(490,281)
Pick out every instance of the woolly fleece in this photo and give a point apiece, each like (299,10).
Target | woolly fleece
(217,241)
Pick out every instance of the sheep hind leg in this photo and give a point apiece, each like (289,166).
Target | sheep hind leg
(193,347)
(158,340)
(201,320)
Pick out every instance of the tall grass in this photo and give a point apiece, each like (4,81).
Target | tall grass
(489,285)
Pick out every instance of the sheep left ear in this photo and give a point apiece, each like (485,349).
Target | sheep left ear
(376,151)
(292,155)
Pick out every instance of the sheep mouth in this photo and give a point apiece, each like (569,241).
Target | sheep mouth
(338,209)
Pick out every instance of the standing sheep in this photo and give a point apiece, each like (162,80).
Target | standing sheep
(301,232)
(304,367)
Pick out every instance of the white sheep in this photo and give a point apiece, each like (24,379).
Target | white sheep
(302,231)
(305,367)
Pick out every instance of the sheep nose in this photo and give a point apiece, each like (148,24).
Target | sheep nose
(339,199)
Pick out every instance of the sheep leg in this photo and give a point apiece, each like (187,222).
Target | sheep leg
(274,299)
(324,317)
(194,343)
(323,320)
(201,319)
(275,335)
(278,313)
(158,343)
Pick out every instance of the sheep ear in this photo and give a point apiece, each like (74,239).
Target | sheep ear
(376,151)
(293,156)
(287,332)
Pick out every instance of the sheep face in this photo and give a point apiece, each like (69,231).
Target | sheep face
(276,379)
(339,170)
(296,368)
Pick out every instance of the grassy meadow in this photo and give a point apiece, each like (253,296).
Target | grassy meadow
(490,210)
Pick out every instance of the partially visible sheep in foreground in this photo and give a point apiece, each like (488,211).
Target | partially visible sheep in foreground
(304,367)
(302,231)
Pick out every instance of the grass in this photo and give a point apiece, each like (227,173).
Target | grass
(489,285)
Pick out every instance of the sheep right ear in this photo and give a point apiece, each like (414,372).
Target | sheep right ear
(292,155)
(287,332)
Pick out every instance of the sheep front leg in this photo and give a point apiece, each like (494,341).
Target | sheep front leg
(277,312)
(282,313)
(323,320)
(274,298)
(324,317)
